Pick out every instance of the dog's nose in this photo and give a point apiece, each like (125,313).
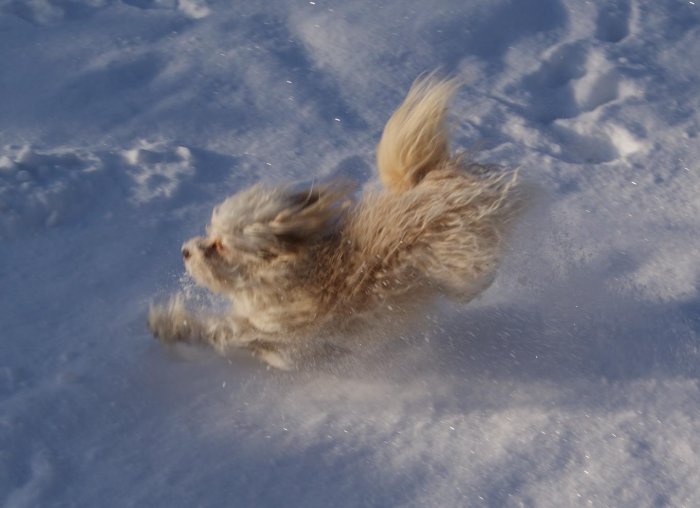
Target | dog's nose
(186,253)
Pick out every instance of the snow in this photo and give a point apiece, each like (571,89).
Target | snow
(572,381)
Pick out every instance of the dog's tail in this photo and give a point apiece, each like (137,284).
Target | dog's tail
(415,139)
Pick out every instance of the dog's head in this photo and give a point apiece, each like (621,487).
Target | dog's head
(255,235)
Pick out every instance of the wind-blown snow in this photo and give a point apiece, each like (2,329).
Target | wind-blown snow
(573,381)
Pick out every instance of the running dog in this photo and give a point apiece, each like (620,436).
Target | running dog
(305,268)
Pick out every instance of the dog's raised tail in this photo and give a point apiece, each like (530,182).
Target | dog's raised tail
(415,139)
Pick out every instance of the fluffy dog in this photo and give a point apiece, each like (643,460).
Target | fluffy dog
(306,268)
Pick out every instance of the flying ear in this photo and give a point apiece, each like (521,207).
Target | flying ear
(304,216)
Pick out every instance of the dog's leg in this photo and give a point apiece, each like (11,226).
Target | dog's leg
(273,354)
(173,322)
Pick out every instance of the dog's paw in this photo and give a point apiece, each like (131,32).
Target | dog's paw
(277,359)
(272,355)
(171,322)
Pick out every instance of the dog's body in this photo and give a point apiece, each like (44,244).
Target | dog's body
(305,266)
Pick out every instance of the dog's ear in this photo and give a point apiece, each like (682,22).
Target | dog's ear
(304,215)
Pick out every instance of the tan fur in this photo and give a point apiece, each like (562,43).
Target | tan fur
(307,268)
(415,139)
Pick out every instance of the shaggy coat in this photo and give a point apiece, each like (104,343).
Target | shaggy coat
(307,268)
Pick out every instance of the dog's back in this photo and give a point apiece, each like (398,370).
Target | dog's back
(438,223)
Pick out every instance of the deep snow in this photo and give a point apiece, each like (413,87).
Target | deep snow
(573,381)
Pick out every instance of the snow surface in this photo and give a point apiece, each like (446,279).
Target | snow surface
(573,381)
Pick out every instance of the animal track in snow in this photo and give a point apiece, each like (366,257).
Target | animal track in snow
(192,8)
(157,170)
(591,143)
(50,12)
(45,188)
(568,93)
(548,91)
(41,188)
(613,21)
(572,80)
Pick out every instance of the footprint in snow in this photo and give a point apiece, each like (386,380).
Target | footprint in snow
(614,21)
(43,188)
(157,170)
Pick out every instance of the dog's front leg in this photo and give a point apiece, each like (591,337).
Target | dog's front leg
(273,354)
(174,322)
